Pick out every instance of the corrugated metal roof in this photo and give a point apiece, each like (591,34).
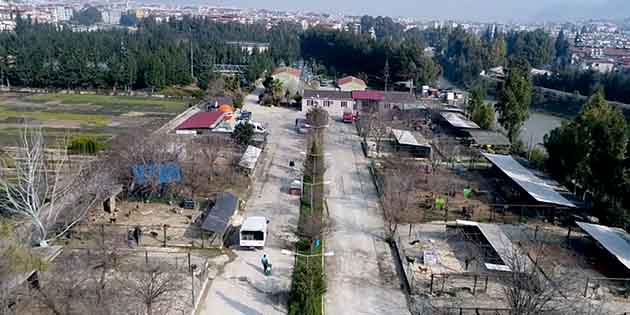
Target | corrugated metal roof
(537,188)
(615,241)
(399,97)
(458,120)
(218,218)
(250,157)
(485,137)
(407,138)
(501,244)
(368,95)
(202,120)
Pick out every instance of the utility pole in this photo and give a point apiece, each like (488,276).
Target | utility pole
(386,73)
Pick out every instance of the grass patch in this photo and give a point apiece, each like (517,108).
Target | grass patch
(98,120)
(107,100)
(53,137)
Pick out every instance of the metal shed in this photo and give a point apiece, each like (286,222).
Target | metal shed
(218,219)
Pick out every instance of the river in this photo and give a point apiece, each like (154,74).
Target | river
(537,126)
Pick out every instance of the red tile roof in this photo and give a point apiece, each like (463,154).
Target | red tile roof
(349,79)
(202,120)
(368,95)
(292,71)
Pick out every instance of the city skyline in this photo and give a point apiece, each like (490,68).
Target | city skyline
(471,10)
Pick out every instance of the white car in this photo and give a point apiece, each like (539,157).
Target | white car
(258,127)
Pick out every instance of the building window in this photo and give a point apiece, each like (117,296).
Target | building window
(327,103)
(309,103)
(344,104)
(388,106)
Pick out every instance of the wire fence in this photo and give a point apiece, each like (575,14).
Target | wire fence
(125,236)
(87,281)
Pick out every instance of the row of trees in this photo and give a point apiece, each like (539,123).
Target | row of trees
(308,280)
(157,55)
(358,54)
(614,84)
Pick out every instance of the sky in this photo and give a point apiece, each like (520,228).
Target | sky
(477,10)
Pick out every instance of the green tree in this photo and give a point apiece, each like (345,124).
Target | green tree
(243,134)
(484,116)
(604,131)
(592,152)
(515,100)
(87,16)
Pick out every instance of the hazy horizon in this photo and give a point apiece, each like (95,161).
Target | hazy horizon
(474,10)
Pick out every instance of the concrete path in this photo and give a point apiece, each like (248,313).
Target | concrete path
(242,289)
(361,276)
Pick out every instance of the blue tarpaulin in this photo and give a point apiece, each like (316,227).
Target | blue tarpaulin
(166,173)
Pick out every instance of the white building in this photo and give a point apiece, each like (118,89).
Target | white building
(334,102)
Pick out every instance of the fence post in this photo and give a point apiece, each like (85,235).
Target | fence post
(431,285)
(586,287)
(475,286)
(485,289)
(536,233)
(192,280)
(103,234)
(164,235)
(146,256)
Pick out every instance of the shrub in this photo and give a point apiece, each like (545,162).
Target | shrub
(85,145)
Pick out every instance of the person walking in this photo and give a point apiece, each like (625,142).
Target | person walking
(137,234)
(265,263)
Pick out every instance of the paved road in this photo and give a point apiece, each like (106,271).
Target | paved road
(361,276)
(242,288)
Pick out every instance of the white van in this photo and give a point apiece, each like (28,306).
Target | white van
(258,127)
(254,232)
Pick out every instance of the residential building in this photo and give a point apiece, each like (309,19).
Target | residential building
(250,47)
(334,102)
(601,66)
(351,83)
(290,79)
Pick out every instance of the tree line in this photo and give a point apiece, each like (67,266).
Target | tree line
(614,84)
(155,56)
(379,62)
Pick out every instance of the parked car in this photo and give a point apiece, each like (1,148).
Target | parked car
(188,204)
(258,127)
(301,126)
(348,117)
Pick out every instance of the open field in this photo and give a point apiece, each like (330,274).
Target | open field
(68,115)
(106,100)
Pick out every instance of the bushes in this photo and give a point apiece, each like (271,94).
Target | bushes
(85,145)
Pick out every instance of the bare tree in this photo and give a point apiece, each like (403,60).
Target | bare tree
(156,287)
(373,126)
(47,187)
(399,180)
(143,149)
